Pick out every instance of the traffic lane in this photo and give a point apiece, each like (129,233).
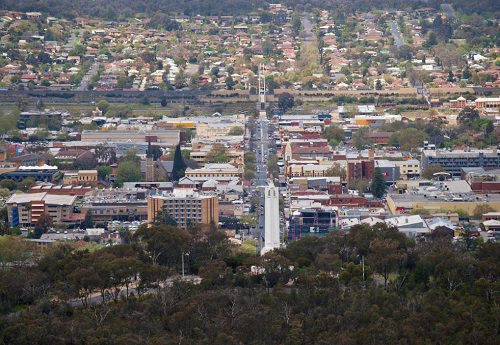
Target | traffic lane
(398,40)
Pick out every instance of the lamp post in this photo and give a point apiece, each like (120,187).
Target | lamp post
(363,264)
(182,260)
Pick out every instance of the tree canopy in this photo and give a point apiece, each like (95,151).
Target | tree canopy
(378,185)
(371,285)
(128,172)
(179,168)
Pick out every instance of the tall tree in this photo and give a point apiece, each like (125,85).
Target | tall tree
(179,168)
(431,170)
(467,116)
(87,222)
(218,154)
(128,172)
(43,224)
(378,185)
(286,101)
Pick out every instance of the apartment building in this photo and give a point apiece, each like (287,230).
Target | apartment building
(186,206)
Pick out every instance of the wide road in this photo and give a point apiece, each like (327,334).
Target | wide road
(86,78)
(261,150)
(261,178)
(308,28)
(448,10)
(398,38)
(96,298)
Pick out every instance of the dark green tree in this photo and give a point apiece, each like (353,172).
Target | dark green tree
(87,221)
(467,116)
(286,101)
(466,74)
(104,171)
(451,77)
(378,186)
(164,218)
(431,170)
(179,168)
(230,83)
(43,224)
(127,172)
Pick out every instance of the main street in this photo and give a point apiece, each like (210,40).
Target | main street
(260,181)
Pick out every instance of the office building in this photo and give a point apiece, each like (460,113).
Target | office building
(453,161)
(312,222)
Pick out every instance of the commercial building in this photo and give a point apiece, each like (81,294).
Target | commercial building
(408,168)
(487,103)
(216,129)
(186,207)
(389,169)
(359,169)
(215,170)
(438,196)
(32,119)
(162,137)
(121,204)
(236,156)
(44,173)
(81,177)
(453,161)
(312,222)
(55,189)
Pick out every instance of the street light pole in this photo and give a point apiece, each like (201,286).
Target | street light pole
(182,260)
(363,264)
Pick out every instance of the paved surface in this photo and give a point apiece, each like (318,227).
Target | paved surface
(86,78)
(398,38)
(448,10)
(96,297)
(261,176)
(308,26)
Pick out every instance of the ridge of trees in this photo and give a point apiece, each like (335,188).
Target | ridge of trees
(122,9)
(372,285)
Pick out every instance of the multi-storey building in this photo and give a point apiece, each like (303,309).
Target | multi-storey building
(25,209)
(215,170)
(359,169)
(186,207)
(122,204)
(161,137)
(409,168)
(312,222)
(32,119)
(235,156)
(453,160)
(81,177)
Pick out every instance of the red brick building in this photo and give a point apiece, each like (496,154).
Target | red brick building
(359,169)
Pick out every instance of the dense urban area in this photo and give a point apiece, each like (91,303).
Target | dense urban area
(245,172)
